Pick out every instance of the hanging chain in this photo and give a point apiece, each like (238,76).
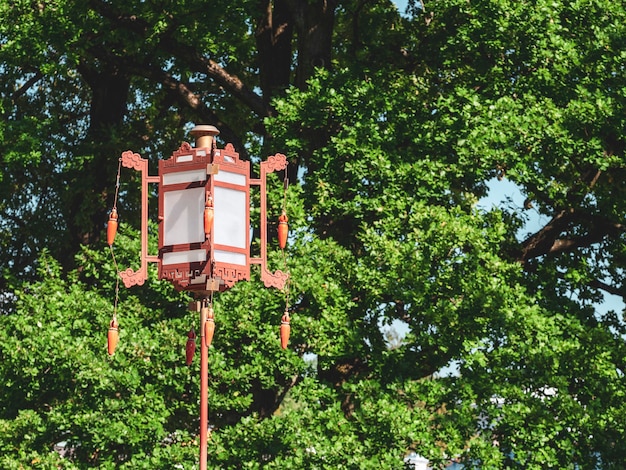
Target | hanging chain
(284,211)
(113,334)
(117,183)
(117,270)
(117,281)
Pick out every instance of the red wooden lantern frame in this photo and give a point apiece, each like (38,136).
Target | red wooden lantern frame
(194,261)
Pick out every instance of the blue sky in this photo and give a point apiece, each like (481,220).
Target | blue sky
(401,5)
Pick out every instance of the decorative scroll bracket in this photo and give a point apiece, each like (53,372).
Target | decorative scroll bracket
(278,278)
(136,162)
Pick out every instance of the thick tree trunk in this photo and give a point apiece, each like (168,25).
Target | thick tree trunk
(274,38)
(315,21)
(90,188)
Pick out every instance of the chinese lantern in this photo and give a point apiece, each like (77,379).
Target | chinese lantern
(190,348)
(113,336)
(283,230)
(209,327)
(208,216)
(285,330)
(112,227)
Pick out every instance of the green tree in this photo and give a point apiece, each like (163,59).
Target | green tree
(497,90)
(396,127)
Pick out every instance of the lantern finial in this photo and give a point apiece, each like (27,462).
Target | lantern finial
(204,135)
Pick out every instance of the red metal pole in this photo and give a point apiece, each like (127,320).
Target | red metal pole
(204,388)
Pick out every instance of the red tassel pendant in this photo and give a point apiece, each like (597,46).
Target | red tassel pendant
(190,348)
(112,227)
(209,327)
(113,336)
(208,216)
(283,230)
(285,331)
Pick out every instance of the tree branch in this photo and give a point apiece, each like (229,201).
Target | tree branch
(607,288)
(26,86)
(541,242)
(212,69)
(184,94)
(548,241)
(194,59)
(179,91)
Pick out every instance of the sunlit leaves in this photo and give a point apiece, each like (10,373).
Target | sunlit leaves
(498,359)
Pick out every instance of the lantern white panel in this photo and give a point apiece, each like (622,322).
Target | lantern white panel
(184,177)
(230,177)
(183,220)
(180,257)
(184,158)
(230,227)
(229,257)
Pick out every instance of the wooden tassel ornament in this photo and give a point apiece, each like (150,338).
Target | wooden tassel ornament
(190,348)
(112,227)
(285,330)
(283,230)
(209,327)
(208,216)
(113,336)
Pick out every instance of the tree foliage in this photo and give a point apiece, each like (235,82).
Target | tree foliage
(396,126)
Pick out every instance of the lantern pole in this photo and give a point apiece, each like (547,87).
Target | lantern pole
(204,386)
(204,138)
